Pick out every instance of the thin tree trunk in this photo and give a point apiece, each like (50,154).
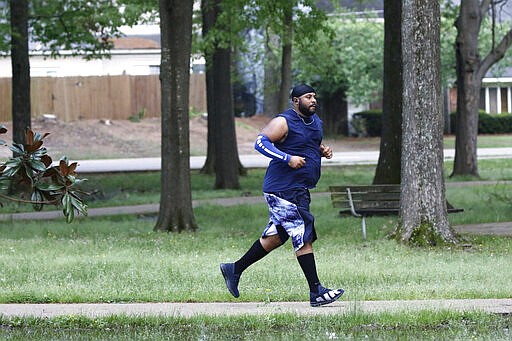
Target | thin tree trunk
(176,213)
(423,212)
(208,17)
(20,70)
(388,166)
(286,60)
(272,82)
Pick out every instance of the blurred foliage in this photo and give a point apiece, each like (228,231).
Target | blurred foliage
(29,177)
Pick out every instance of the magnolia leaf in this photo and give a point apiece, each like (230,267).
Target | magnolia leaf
(63,167)
(11,171)
(78,181)
(79,205)
(37,165)
(72,167)
(47,160)
(17,149)
(33,146)
(29,136)
(37,197)
(47,187)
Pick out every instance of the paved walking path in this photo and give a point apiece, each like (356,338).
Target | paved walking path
(256,160)
(498,306)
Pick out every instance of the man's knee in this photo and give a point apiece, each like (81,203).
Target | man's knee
(269,243)
(305,249)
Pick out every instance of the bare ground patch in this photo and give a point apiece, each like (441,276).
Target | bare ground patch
(89,139)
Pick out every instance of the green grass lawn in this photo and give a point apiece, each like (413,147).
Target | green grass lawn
(120,259)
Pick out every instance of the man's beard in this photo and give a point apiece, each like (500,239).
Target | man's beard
(307,111)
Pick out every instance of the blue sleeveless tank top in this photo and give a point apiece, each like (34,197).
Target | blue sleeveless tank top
(304,139)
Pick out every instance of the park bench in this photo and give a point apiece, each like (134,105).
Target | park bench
(370,200)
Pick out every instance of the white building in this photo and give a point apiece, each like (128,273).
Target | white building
(138,53)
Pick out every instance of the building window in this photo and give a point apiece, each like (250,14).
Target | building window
(154,69)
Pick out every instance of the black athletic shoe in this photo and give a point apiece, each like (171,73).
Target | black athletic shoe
(232,279)
(324,296)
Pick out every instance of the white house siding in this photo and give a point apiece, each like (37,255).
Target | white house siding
(121,62)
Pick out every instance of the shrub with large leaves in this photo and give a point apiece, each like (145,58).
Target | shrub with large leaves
(30,168)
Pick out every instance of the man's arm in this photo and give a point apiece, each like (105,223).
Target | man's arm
(276,131)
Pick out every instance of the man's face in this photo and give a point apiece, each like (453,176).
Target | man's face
(307,104)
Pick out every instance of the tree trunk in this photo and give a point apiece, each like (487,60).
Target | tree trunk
(208,21)
(286,60)
(209,164)
(222,148)
(20,70)
(423,212)
(333,111)
(468,89)
(471,69)
(388,166)
(176,213)
(272,82)
(227,162)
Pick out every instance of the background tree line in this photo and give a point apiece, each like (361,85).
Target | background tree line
(78,26)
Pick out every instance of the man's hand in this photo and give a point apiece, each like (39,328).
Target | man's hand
(297,162)
(326,151)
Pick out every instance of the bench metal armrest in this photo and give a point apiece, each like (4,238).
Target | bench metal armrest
(352,208)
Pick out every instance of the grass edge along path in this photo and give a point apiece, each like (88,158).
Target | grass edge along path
(438,325)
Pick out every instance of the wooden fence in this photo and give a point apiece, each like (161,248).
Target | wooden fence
(98,97)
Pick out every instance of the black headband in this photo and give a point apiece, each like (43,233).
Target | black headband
(300,90)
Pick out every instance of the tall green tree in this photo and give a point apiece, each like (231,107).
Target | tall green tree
(471,69)
(176,213)
(423,212)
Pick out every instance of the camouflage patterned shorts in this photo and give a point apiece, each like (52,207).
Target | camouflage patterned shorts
(289,213)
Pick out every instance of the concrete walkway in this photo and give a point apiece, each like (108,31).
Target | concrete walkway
(498,306)
(257,160)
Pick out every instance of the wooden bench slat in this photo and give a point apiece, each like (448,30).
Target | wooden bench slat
(367,204)
(366,189)
(380,196)
(366,212)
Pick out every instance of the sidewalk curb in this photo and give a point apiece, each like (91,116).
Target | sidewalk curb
(496,306)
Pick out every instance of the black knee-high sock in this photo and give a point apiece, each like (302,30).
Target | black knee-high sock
(254,254)
(308,265)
